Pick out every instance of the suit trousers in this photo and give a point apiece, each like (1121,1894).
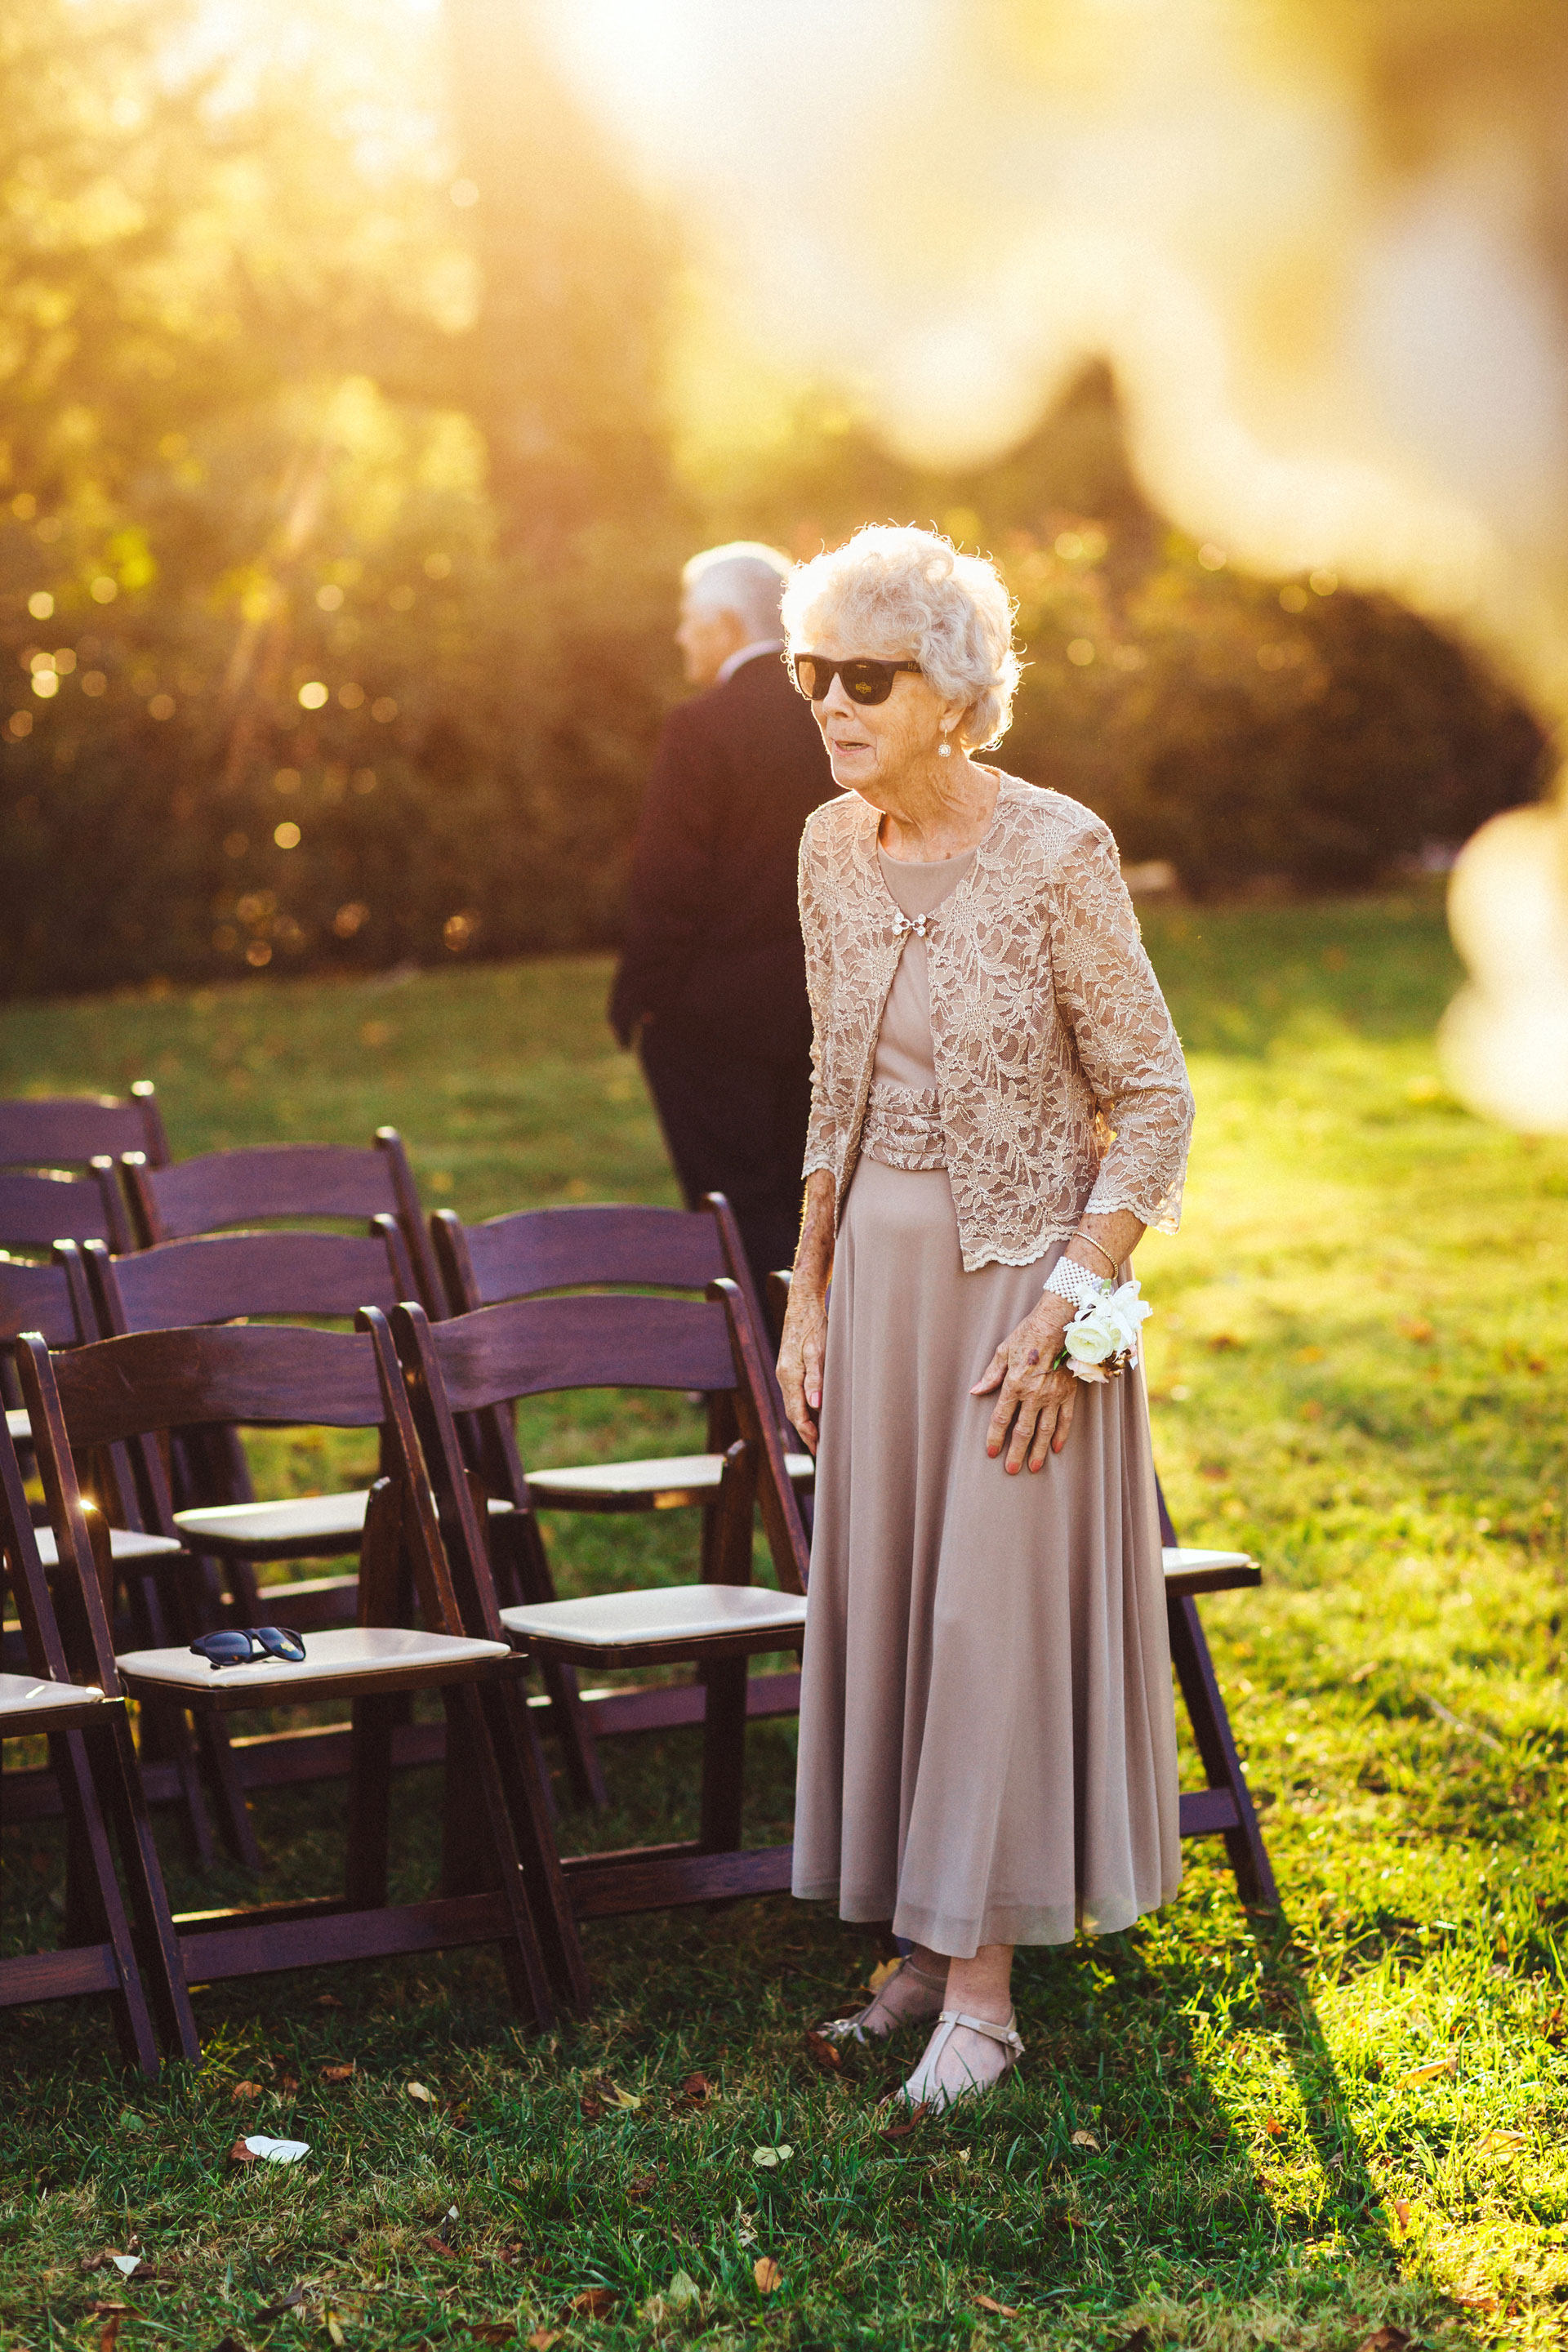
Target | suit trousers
(734,1124)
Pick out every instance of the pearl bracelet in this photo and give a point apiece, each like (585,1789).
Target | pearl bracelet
(1070,1280)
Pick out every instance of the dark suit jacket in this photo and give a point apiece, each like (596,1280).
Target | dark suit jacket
(712,947)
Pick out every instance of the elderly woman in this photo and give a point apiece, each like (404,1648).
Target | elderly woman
(1000,1109)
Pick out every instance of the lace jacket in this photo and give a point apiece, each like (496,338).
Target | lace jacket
(1060,1082)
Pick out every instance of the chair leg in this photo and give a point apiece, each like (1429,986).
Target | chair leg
(724,1753)
(100,1907)
(515,1746)
(1221,1766)
(522,1548)
(469,1734)
(370,1801)
(157,1942)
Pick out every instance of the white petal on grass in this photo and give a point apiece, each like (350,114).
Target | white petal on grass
(278,2151)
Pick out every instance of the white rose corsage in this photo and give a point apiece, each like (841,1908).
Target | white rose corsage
(1103,1337)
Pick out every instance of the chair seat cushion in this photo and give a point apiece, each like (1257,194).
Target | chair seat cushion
(1190,1568)
(665,1484)
(673,1614)
(362,1651)
(124,1543)
(28,1694)
(252,1529)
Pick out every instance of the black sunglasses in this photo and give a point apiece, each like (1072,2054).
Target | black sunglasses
(243,1646)
(865,681)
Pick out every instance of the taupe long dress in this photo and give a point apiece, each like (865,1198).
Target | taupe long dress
(987,1738)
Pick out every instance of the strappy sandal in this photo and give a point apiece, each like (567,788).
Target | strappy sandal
(853,2029)
(938,2097)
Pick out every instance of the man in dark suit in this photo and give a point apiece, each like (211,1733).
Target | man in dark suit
(712,984)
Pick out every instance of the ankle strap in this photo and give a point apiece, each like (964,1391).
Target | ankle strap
(1006,2034)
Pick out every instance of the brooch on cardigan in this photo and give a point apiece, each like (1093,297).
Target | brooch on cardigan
(920,924)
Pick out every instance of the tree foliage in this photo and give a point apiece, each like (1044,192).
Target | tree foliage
(340,511)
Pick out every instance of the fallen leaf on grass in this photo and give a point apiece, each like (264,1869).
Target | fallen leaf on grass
(1475,2302)
(1402,2214)
(882,1973)
(1554,2027)
(1273,2128)
(1426,2073)
(823,2052)
(1086,2139)
(328,2001)
(614,2097)
(1386,2339)
(110,2330)
(770,2158)
(417,2091)
(902,2131)
(641,2187)
(1496,2140)
(334,2328)
(683,2289)
(492,2331)
(341,2071)
(590,2108)
(542,2338)
(695,2092)
(289,2302)
(288,2085)
(112,2311)
(246,2091)
(595,2302)
(242,2153)
(1001,2310)
(767,2273)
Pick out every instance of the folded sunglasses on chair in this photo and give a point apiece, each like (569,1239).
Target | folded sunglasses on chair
(242,1646)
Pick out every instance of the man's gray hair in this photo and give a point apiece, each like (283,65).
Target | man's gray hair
(744,577)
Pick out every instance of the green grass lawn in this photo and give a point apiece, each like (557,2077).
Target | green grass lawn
(1230,2131)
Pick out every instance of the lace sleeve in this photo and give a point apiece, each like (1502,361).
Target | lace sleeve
(1127,1045)
(816,935)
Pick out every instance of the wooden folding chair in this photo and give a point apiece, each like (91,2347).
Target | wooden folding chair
(70,1131)
(1224,1807)
(607,1247)
(67,1690)
(220,1278)
(54,1301)
(144,1386)
(478,1362)
(264,1183)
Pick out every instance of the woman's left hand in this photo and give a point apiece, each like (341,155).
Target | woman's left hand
(1037,1402)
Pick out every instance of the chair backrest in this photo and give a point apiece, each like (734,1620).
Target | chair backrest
(145,1385)
(47,1300)
(219,1277)
(37,1211)
(490,1358)
(611,1245)
(222,1191)
(70,1130)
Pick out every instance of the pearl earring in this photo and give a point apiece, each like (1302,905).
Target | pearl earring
(945,750)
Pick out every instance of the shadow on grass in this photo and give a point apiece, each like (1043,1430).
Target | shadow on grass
(1111,2185)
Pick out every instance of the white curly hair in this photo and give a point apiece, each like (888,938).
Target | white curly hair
(901,593)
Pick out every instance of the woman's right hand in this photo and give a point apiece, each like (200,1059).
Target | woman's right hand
(802,1354)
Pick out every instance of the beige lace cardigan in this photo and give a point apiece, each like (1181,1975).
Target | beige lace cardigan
(1060,1082)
